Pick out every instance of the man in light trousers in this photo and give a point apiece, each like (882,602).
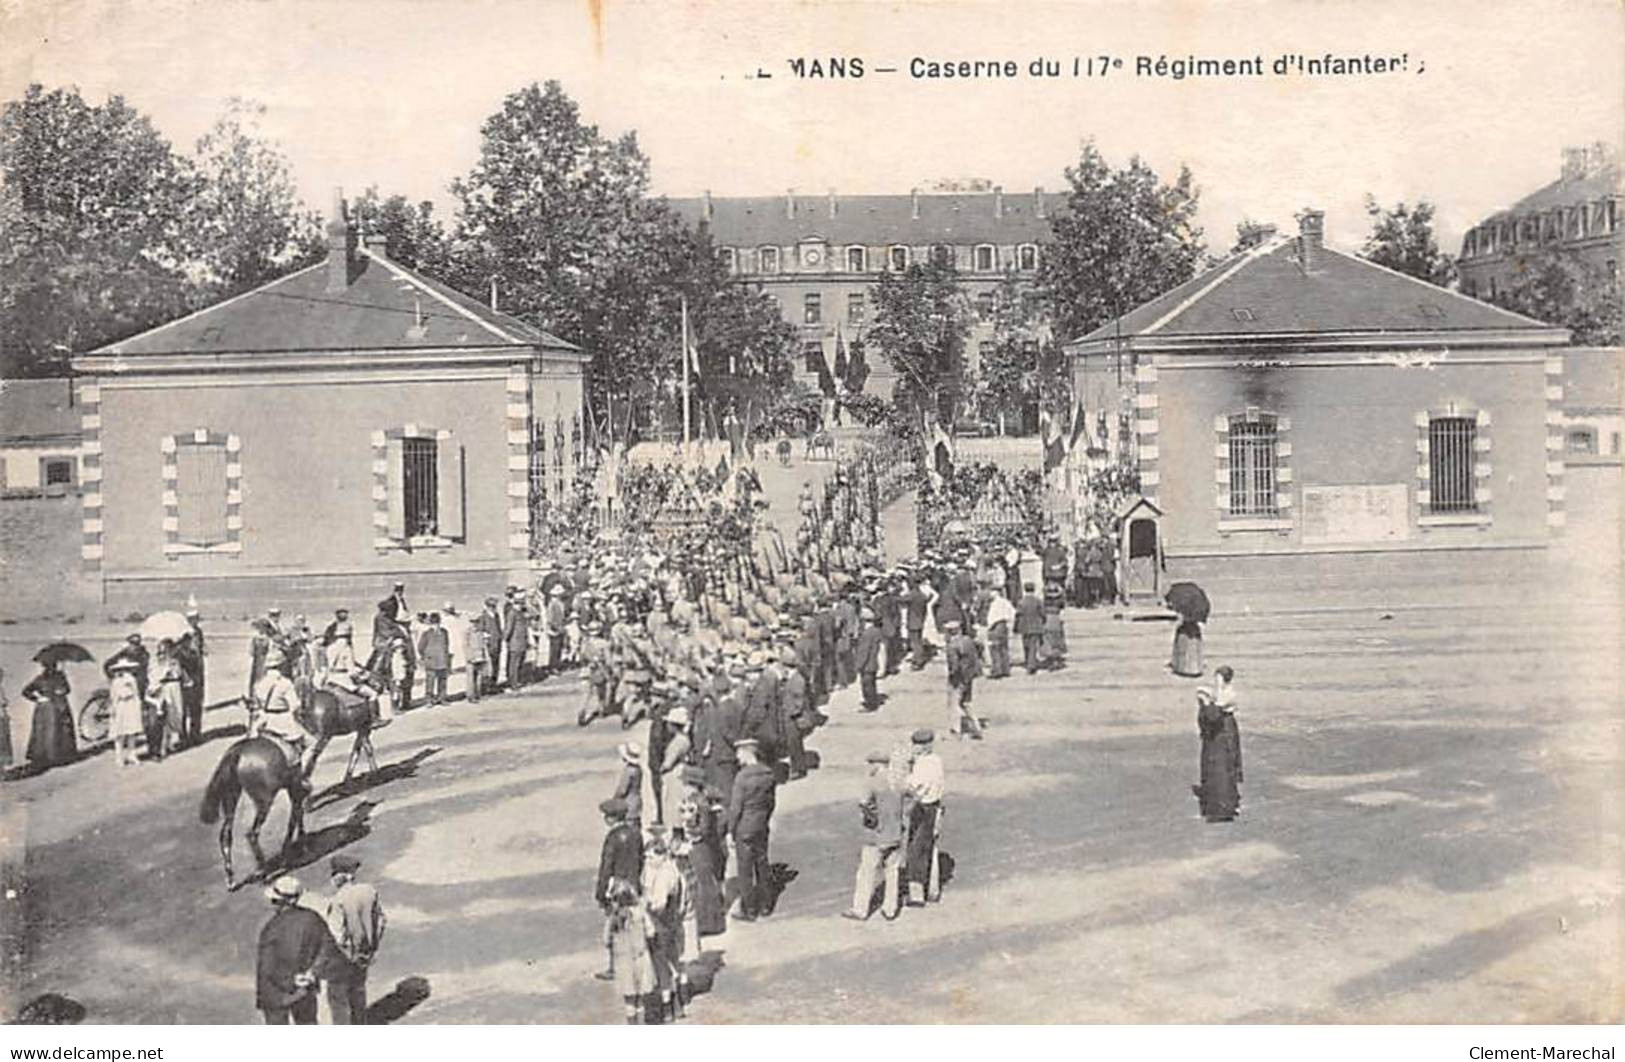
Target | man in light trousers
(882,851)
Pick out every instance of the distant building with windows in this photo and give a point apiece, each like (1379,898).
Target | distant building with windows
(818,256)
(1593,418)
(1296,400)
(39,438)
(313,439)
(1579,213)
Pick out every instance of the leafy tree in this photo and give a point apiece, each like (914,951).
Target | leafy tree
(1560,288)
(93,241)
(920,324)
(246,223)
(1123,238)
(1402,239)
(857,368)
(560,214)
(1009,374)
(417,239)
(1250,234)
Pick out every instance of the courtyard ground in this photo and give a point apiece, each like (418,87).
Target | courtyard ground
(1430,832)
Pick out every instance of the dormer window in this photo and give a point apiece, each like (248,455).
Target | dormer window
(987,258)
(857,259)
(729,259)
(1027,257)
(942,255)
(897,258)
(768,259)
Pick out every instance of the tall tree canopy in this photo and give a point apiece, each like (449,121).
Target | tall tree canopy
(417,239)
(920,324)
(1124,237)
(105,230)
(246,221)
(1402,240)
(559,215)
(94,235)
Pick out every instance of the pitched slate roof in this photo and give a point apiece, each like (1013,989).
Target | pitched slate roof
(385,306)
(1564,192)
(37,411)
(873,220)
(1265,291)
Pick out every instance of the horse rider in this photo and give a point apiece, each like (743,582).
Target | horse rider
(279,717)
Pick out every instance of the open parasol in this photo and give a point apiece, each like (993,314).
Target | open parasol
(161,625)
(1190,601)
(63,653)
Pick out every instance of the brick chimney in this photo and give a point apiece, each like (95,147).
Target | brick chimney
(914,199)
(832,207)
(707,214)
(340,244)
(1038,201)
(1311,238)
(790,204)
(998,200)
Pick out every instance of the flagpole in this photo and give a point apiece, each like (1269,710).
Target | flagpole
(686,448)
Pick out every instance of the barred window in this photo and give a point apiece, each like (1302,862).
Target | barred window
(1252,466)
(812,308)
(200,493)
(768,259)
(855,307)
(1451,445)
(420,485)
(857,259)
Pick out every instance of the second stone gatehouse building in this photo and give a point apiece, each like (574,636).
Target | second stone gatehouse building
(1298,401)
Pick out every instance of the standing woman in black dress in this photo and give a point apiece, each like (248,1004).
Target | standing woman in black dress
(1219,794)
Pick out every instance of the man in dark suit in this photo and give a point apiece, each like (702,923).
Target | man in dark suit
(296,951)
(489,622)
(915,606)
(868,660)
(964,665)
(727,728)
(794,712)
(750,814)
(191,654)
(888,607)
(1030,625)
(515,638)
(620,859)
(810,664)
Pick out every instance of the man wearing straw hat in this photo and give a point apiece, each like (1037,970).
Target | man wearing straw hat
(295,952)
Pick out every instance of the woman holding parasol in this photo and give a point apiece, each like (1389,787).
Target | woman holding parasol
(1190,601)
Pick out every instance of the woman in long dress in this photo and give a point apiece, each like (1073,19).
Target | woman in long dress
(1219,794)
(1187,655)
(698,828)
(50,734)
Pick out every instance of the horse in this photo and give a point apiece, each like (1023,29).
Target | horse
(821,442)
(256,766)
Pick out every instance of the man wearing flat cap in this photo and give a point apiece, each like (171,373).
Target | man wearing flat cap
(619,862)
(295,952)
(867,654)
(923,807)
(356,919)
(881,808)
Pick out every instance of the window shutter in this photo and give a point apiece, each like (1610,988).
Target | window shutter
(395,488)
(449,485)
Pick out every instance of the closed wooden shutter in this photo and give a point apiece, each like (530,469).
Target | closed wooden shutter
(395,487)
(200,493)
(449,486)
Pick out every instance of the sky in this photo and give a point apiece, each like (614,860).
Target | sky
(392,92)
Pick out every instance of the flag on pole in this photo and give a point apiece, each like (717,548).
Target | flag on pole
(841,365)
